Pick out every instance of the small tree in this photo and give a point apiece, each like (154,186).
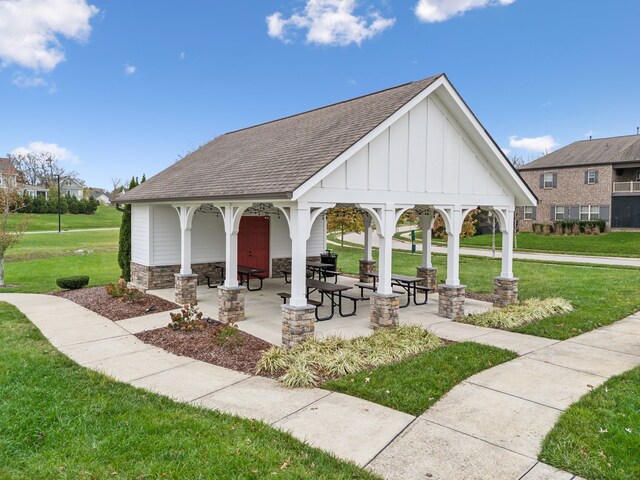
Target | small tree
(468,226)
(10,235)
(345,220)
(124,246)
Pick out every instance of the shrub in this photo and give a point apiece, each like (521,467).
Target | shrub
(227,335)
(307,364)
(121,291)
(188,319)
(73,283)
(519,314)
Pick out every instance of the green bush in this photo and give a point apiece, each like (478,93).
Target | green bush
(518,314)
(572,226)
(73,283)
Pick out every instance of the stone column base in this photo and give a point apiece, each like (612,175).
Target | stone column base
(430,276)
(367,266)
(298,324)
(384,310)
(451,301)
(231,304)
(505,291)
(186,288)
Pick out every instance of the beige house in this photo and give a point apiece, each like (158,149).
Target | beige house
(9,179)
(587,180)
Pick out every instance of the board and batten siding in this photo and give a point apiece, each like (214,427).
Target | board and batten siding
(425,150)
(140,239)
(155,236)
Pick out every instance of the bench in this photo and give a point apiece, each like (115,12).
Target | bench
(209,276)
(425,290)
(363,287)
(354,298)
(285,296)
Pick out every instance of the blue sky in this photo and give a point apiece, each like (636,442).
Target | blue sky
(121,88)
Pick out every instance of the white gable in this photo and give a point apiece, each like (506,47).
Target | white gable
(424,151)
(431,152)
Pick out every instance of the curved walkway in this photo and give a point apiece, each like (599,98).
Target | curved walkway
(489,426)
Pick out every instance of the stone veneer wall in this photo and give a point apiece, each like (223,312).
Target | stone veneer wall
(279,264)
(152,278)
(451,301)
(505,291)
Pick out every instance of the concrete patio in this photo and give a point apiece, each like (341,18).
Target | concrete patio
(263,311)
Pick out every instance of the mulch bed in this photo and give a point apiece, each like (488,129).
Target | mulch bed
(97,300)
(202,345)
(483,297)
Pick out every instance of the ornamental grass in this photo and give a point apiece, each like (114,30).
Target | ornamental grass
(314,361)
(518,314)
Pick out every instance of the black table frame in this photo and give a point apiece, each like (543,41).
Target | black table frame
(245,274)
(408,284)
(329,290)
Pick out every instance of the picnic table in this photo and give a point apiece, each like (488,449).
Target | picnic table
(330,291)
(313,267)
(335,293)
(408,284)
(245,273)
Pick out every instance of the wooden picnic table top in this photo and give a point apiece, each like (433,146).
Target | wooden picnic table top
(327,287)
(241,268)
(319,265)
(400,278)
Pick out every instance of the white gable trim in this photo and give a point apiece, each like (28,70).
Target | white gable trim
(513,182)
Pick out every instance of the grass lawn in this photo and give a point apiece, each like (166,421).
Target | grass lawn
(414,384)
(38,260)
(612,244)
(600,295)
(59,420)
(591,438)
(105,217)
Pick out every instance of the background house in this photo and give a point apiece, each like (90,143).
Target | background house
(586,180)
(72,186)
(9,178)
(101,196)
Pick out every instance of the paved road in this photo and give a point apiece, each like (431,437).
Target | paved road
(481,252)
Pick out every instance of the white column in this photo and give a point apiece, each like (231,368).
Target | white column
(426,224)
(367,254)
(507,245)
(385,254)
(185,214)
(299,231)
(231,215)
(453,246)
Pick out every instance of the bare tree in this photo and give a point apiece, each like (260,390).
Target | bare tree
(116,182)
(11,232)
(517,162)
(40,168)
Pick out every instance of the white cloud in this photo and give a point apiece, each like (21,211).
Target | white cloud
(24,81)
(535,144)
(329,22)
(31,30)
(183,55)
(433,11)
(129,69)
(61,153)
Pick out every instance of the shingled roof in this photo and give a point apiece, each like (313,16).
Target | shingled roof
(7,167)
(600,151)
(273,159)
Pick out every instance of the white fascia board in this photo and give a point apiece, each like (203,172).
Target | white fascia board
(317,178)
(526,197)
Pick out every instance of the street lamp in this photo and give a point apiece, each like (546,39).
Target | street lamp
(59,227)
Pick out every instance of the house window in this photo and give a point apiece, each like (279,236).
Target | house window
(591,177)
(559,217)
(528,213)
(589,212)
(548,180)
(637,175)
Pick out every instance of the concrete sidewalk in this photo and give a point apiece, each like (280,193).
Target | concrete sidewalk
(489,426)
(101,229)
(487,253)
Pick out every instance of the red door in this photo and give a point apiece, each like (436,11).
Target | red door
(253,242)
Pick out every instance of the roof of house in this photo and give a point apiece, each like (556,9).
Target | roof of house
(273,159)
(34,188)
(599,151)
(7,167)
